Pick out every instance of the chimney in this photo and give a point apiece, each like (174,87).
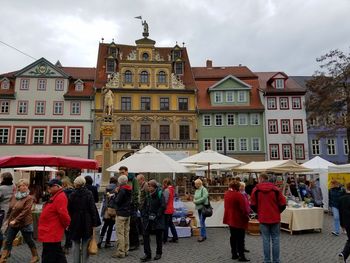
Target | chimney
(209,63)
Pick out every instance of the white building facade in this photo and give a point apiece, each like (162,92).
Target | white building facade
(285,117)
(46,109)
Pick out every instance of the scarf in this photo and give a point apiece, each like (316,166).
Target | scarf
(20,195)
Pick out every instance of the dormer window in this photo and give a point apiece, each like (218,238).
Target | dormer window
(110,67)
(79,85)
(145,56)
(5,84)
(179,68)
(279,83)
(112,51)
(176,54)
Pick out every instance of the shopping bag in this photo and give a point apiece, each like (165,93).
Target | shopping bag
(92,248)
(207,210)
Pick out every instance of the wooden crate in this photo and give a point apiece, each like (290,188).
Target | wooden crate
(253,227)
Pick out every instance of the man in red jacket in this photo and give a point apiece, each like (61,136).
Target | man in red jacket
(268,202)
(236,216)
(53,220)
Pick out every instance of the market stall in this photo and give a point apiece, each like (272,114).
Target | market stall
(341,173)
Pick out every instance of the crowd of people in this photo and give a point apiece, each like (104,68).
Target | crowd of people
(138,208)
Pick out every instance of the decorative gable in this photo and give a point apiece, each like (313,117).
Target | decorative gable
(229,83)
(278,80)
(79,85)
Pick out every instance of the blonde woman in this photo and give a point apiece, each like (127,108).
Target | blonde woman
(19,218)
(200,199)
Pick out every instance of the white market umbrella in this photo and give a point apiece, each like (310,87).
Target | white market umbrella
(217,167)
(36,168)
(149,160)
(318,163)
(282,166)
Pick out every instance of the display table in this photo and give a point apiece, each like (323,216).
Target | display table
(296,219)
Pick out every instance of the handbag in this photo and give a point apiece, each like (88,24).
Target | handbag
(92,248)
(111,212)
(207,210)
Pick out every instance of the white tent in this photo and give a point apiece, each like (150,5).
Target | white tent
(321,167)
(149,160)
(216,167)
(279,166)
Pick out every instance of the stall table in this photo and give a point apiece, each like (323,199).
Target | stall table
(297,219)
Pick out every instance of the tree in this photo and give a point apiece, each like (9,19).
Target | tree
(328,98)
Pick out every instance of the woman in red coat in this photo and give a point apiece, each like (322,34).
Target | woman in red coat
(236,217)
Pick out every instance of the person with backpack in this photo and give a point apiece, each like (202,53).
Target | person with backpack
(152,214)
(268,202)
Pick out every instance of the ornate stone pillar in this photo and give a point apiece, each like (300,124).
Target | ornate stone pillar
(107,128)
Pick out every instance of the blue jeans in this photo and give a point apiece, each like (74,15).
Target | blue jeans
(202,222)
(27,233)
(80,255)
(271,232)
(336,220)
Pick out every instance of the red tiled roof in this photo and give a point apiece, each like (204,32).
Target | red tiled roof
(291,86)
(87,92)
(222,72)
(80,72)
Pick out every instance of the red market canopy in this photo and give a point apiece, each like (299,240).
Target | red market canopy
(47,160)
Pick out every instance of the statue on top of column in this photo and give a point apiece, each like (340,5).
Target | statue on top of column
(108,100)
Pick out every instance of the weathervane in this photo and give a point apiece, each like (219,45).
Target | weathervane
(145,26)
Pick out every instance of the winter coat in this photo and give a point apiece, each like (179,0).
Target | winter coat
(154,206)
(334,194)
(268,202)
(344,210)
(21,211)
(235,214)
(169,195)
(6,193)
(200,197)
(94,192)
(107,197)
(143,195)
(122,201)
(54,218)
(135,194)
(82,210)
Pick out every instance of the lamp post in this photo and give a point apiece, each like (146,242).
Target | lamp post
(224,145)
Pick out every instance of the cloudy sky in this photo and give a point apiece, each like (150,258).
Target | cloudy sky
(265,35)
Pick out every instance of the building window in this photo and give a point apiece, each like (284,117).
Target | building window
(4,135)
(40,107)
(144,77)
(206,120)
(38,136)
(243,144)
(242,96)
(229,96)
(218,97)
(279,83)
(57,135)
(314,122)
(112,51)
(256,144)
(230,119)
(125,103)
(21,136)
(299,152)
(242,119)
(284,103)
(219,145)
(346,146)
(296,103)
(125,132)
(274,152)
(128,76)
(22,107)
(24,84)
(273,126)
(161,77)
(255,119)
(75,136)
(184,132)
(145,56)
(4,107)
(315,147)
(42,84)
(207,144)
(298,126)
(331,147)
(110,67)
(271,103)
(285,126)
(5,84)
(218,120)
(176,54)
(164,132)
(287,151)
(164,103)
(79,86)
(145,103)
(59,84)
(145,132)
(183,103)
(75,108)
(179,68)
(58,108)
(231,144)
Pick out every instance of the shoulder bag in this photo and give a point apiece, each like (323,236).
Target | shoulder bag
(207,210)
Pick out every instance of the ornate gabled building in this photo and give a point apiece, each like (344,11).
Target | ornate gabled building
(147,94)
(46,109)
(230,118)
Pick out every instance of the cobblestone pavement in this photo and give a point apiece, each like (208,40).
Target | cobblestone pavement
(299,248)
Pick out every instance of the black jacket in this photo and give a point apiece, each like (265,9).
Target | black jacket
(83,213)
(122,201)
(344,210)
(94,192)
(154,206)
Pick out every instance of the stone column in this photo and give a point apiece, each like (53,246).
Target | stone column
(107,128)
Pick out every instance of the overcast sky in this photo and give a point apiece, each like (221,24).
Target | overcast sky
(265,35)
